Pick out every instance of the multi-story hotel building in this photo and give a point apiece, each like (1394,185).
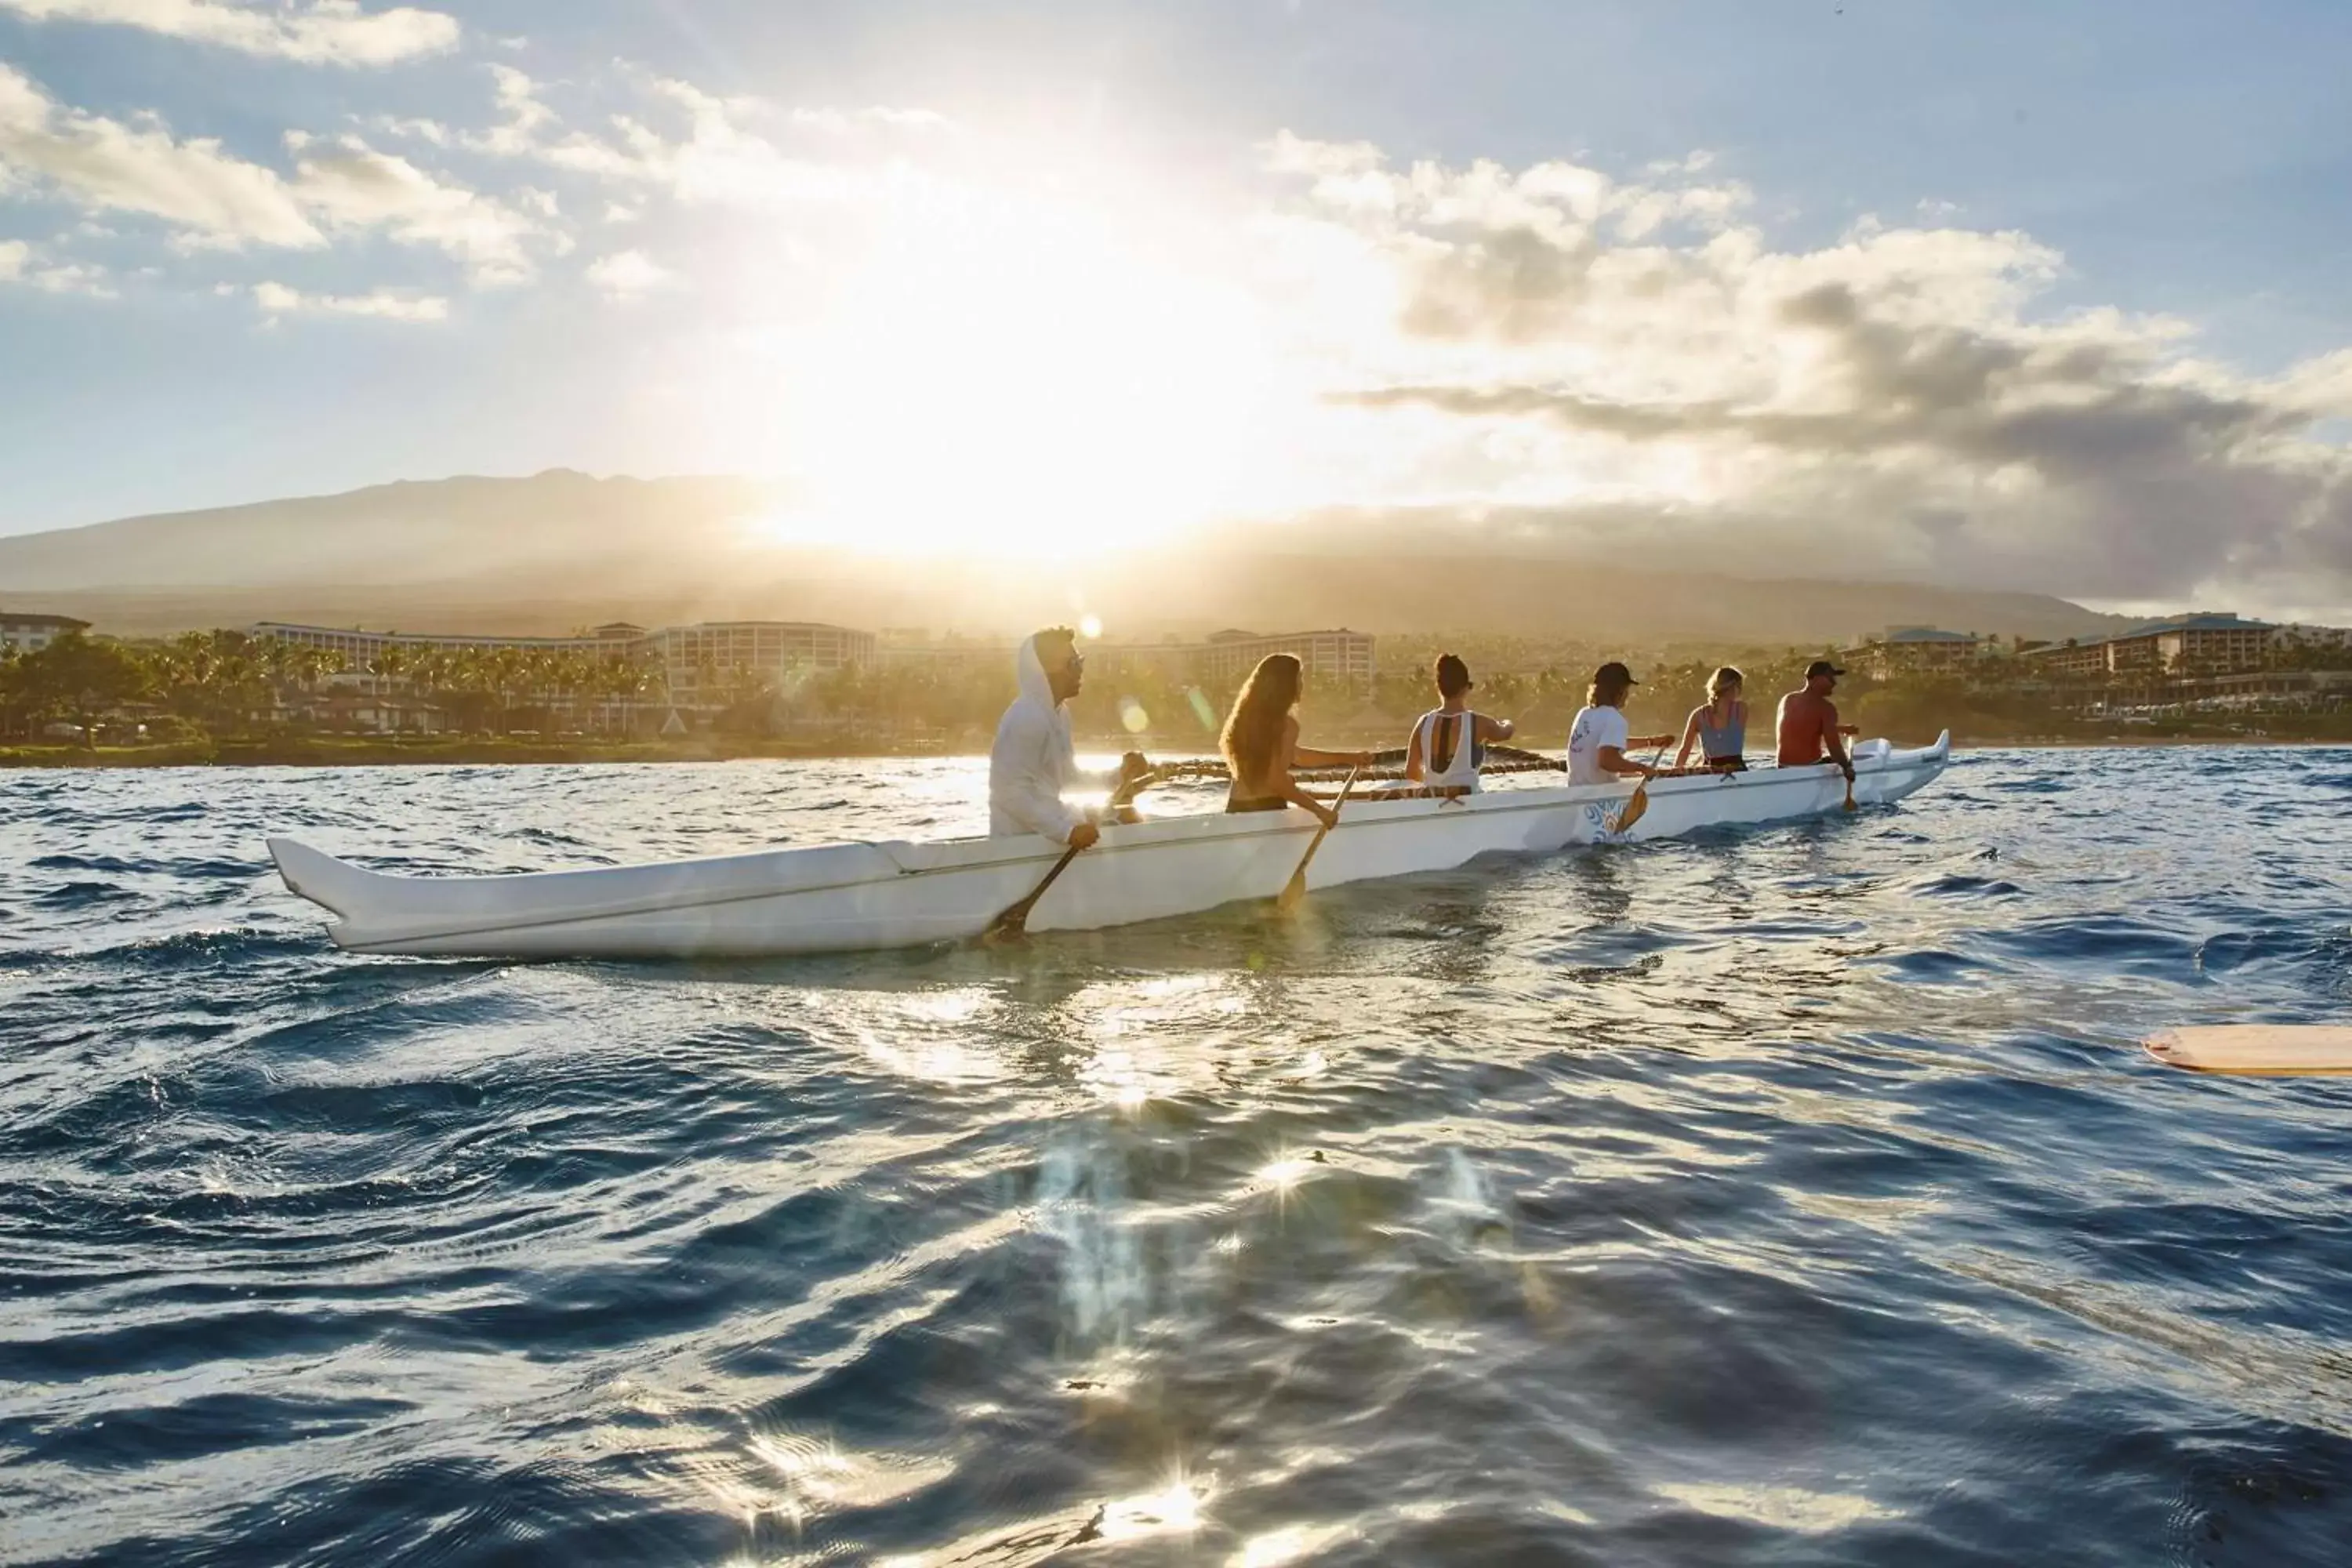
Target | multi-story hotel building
(684,653)
(363,648)
(1337,657)
(1913,650)
(29,633)
(2208,644)
(719,649)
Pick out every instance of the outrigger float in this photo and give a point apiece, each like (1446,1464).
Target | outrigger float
(896,893)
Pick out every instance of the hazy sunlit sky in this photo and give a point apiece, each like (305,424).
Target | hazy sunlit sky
(2038,295)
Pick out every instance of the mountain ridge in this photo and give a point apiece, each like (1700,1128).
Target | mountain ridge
(560,549)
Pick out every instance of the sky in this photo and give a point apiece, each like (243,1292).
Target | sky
(2005,295)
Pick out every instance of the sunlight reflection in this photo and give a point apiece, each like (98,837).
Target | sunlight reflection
(1782,1508)
(921,1048)
(1174,1508)
(1278,1547)
(819,1475)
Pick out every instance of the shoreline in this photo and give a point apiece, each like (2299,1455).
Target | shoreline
(331,752)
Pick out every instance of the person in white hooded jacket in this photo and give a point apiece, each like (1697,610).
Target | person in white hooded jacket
(1034,762)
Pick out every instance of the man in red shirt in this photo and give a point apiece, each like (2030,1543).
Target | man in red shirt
(1809,722)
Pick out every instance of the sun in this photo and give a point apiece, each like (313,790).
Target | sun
(1006,375)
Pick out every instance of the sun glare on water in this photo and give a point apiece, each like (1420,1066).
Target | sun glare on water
(1006,376)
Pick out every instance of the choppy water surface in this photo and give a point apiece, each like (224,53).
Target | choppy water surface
(1798,1195)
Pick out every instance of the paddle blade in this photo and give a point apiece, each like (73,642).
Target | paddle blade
(1012,922)
(1635,805)
(1849,796)
(1010,926)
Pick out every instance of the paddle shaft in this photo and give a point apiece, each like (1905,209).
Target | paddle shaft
(1296,888)
(1013,918)
(1639,801)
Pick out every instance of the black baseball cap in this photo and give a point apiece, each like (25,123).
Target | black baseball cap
(1822,666)
(1613,674)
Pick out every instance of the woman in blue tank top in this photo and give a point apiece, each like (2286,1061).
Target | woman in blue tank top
(1718,731)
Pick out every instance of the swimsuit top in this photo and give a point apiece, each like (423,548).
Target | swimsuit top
(1731,741)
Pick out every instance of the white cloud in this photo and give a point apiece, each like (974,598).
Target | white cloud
(321,32)
(215,200)
(22,265)
(104,164)
(629,275)
(720,159)
(276,299)
(350,185)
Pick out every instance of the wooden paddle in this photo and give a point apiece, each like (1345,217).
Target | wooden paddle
(2257,1050)
(1296,888)
(1012,922)
(1639,801)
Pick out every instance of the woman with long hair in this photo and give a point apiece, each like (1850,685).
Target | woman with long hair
(1718,731)
(1261,742)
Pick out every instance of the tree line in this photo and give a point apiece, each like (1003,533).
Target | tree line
(229,685)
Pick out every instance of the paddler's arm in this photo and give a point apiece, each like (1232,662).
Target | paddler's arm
(1412,763)
(1834,741)
(1613,760)
(1309,757)
(1690,739)
(1492,730)
(1033,793)
(1300,798)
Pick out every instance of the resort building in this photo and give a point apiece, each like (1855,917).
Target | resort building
(362,649)
(711,655)
(906,649)
(1914,650)
(2200,644)
(1223,660)
(705,661)
(1337,657)
(26,632)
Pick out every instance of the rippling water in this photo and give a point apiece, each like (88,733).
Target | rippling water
(1796,1194)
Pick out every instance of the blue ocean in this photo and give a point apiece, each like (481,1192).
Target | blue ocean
(1794,1195)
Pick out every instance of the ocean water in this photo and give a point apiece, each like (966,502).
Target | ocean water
(1794,1195)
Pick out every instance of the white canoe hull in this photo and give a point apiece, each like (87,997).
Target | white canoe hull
(853,897)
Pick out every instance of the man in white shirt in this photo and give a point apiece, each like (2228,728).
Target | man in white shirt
(1596,742)
(1034,761)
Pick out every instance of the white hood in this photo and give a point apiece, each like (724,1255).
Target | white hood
(1029,673)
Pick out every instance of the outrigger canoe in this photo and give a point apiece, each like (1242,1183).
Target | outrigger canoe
(849,897)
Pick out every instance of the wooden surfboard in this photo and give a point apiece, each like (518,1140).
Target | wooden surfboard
(2262,1050)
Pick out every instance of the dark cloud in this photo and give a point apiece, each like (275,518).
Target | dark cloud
(1887,401)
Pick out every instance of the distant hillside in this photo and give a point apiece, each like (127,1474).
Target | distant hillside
(561,549)
(404,534)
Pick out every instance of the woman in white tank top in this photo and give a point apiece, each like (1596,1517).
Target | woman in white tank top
(1449,742)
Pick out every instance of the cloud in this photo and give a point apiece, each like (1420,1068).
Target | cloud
(629,275)
(1567,351)
(718,155)
(22,265)
(276,299)
(104,164)
(321,32)
(349,185)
